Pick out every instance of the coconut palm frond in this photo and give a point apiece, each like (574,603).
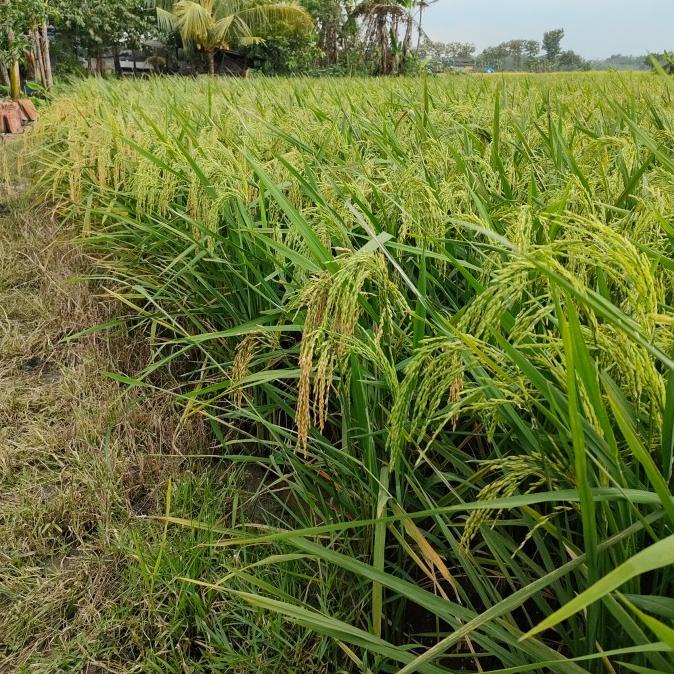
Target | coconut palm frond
(167,21)
(195,20)
(216,24)
(220,30)
(259,16)
(241,29)
(250,40)
(222,8)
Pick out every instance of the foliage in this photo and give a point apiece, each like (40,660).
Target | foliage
(552,41)
(387,32)
(294,53)
(665,60)
(621,62)
(210,25)
(569,60)
(512,55)
(86,27)
(16,18)
(96,26)
(64,49)
(441,311)
(336,29)
(522,55)
(493,57)
(366,36)
(441,56)
(520,50)
(289,49)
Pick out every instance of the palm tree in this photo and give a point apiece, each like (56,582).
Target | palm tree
(210,25)
(422,5)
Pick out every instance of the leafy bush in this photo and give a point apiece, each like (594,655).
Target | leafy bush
(284,54)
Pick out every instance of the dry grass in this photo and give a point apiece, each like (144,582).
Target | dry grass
(88,578)
(78,461)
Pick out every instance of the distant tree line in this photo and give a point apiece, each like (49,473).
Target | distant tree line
(532,56)
(341,36)
(520,55)
(381,37)
(621,62)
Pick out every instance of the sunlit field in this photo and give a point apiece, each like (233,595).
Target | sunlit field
(437,315)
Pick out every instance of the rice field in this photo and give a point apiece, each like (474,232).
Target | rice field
(437,315)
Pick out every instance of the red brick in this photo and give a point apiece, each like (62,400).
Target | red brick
(29,109)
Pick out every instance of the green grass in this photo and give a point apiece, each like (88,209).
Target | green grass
(438,312)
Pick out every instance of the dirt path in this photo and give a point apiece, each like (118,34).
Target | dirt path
(75,464)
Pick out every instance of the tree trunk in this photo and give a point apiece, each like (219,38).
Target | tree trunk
(4,76)
(330,36)
(384,46)
(116,60)
(14,81)
(31,60)
(46,57)
(133,56)
(211,61)
(421,18)
(39,63)
(14,73)
(407,42)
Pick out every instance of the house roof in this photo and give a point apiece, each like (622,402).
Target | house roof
(463,61)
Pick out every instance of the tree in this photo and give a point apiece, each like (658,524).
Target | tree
(291,50)
(23,37)
(510,55)
(441,56)
(387,28)
(436,54)
(422,5)
(516,49)
(461,50)
(569,60)
(665,60)
(335,30)
(621,62)
(532,48)
(98,25)
(210,25)
(11,49)
(493,57)
(552,41)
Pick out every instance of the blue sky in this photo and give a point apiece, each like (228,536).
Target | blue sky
(594,28)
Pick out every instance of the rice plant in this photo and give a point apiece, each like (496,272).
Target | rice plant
(440,311)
